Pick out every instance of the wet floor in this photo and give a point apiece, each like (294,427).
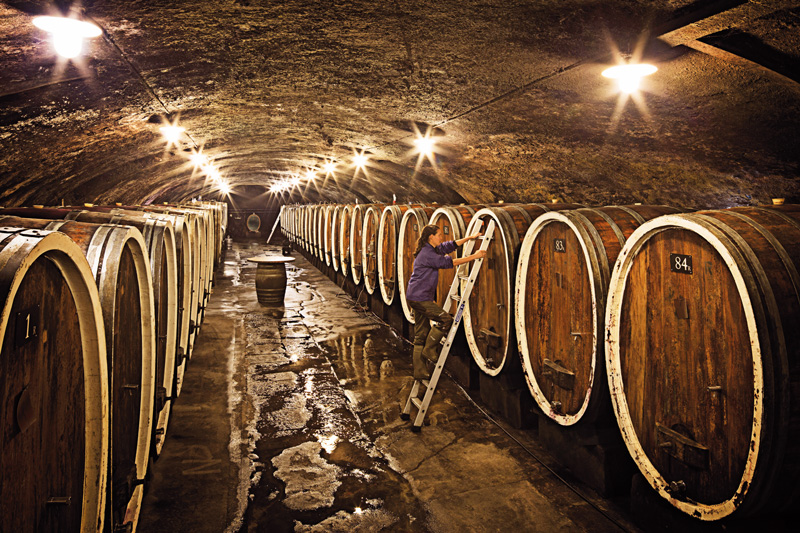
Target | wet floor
(289,421)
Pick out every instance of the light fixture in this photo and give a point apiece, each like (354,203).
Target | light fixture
(310,175)
(424,145)
(329,166)
(295,181)
(629,76)
(172,133)
(68,34)
(360,160)
(224,188)
(199,159)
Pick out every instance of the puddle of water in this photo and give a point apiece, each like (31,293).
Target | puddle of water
(310,480)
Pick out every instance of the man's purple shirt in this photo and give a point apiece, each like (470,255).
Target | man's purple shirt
(422,285)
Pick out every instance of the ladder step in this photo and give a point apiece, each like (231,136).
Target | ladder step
(417,403)
(456,297)
(425,382)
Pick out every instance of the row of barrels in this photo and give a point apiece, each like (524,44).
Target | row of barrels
(686,324)
(101,310)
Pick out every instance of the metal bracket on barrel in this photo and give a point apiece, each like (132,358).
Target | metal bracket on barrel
(682,448)
(559,375)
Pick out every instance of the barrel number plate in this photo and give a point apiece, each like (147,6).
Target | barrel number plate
(680,263)
(27,326)
(560,245)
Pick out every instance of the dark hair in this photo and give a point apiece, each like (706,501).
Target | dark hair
(427,232)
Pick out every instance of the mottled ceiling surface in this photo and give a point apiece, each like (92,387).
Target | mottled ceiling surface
(269,89)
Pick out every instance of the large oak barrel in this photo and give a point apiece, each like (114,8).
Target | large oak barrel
(562,278)
(345,228)
(117,256)
(53,386)
(369,247)
(703,358)
(319,231)
(388,233)
(201,263)
(357,226)
(453,221)
(333,236)
(306,218)
(160,240)
(411,225)
(488,312)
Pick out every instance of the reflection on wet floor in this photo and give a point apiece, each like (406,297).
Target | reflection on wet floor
(305,401)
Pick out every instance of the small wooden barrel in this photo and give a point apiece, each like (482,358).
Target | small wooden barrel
(488,312)
(345,228)
(411,225)
(453,221)
(369,247)
(703,358)
(271,278)
(566,256)
(333,236)
(53,374)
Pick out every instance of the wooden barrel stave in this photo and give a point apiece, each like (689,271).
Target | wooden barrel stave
(746,260)
(58,379)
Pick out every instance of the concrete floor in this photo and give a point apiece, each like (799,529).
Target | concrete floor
(289,421)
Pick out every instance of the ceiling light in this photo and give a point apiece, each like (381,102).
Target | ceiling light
(295,181)
(68,34)
(629,76)
(224,188)
(425,145)
(360,160)
(199,159)
(329,167)
(172,133)
(310,175)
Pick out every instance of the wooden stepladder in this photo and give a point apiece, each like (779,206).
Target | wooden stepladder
(474,268)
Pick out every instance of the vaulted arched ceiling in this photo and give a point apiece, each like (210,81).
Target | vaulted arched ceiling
(271,89)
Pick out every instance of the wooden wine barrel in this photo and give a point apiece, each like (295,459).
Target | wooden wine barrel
(388,233)
(319,231)
(332,237)
(488,313)
(345,216)
(117,256)
(369,247)
(160,240)
(305,232)
(567,256)
(53,374)
(204,254)
(409,233)
(453,221)
(703,358)
(357,225)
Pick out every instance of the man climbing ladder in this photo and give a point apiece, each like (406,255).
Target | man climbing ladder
(430,258)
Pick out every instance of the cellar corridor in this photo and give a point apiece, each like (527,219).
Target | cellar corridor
(288,420)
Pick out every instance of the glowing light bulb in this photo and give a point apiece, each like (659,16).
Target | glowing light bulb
(295,181)
(629,76)
(425,145)
(172,133)
(329,167)
(199,159)
(68,34)
(224,188)
(360,160)
(310,175)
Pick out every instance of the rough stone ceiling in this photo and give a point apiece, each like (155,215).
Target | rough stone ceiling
(271,88)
